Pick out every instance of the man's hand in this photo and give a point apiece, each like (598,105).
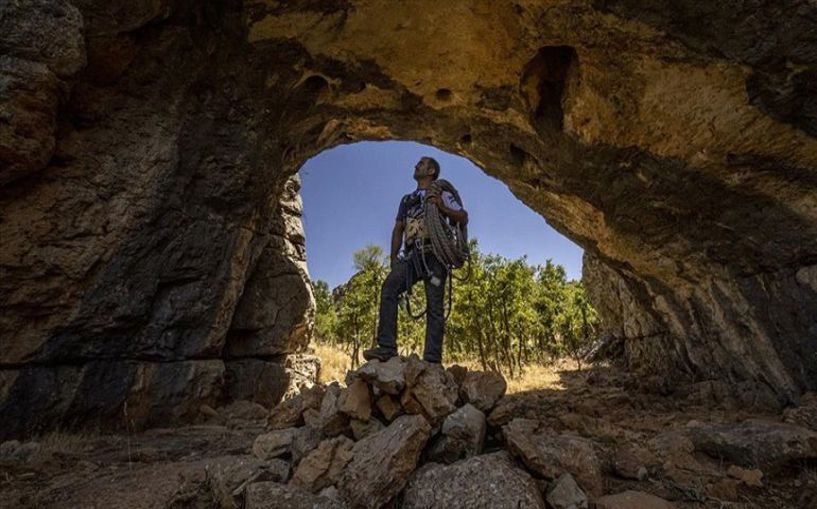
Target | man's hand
(436,200)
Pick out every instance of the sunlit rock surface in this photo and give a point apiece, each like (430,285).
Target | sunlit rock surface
(151,237)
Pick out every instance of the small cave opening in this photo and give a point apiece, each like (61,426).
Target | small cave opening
(444,94)
(544,81)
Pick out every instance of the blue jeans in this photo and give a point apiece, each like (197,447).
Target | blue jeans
(402,277)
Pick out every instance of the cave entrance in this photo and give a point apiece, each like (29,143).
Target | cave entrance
(526,273)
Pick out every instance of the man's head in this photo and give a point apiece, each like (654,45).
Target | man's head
(426,167)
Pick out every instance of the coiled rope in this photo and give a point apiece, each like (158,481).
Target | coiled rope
(449,243)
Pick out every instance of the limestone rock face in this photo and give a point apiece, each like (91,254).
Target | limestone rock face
(149,202)
(486,481)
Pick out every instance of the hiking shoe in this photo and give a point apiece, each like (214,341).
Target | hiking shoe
(432,361)
(380,353)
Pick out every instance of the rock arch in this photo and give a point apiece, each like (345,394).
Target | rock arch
(152,259)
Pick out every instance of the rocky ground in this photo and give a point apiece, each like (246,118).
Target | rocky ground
(409,434)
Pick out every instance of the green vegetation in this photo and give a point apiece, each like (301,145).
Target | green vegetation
(506,314)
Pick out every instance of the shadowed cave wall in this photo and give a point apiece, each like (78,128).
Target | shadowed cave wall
(152,253)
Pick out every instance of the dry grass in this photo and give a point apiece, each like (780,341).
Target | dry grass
(335,362)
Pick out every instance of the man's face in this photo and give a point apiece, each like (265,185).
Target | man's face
(423,168)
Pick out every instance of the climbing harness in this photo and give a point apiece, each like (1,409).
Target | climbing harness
(447,242)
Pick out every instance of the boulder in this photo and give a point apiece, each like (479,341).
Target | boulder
(804,414)
(312,397)
(322,467)
(382,462)
(356,401)
(332,421)
(483,389)
(490,481)
(755,443)
(632,461)
(389,407)
(551,454)
(458,372)
(306,439)
(362,429)
(244,410)
(287,414)
(273,444)
(430,390)
(751,477)
(511,406)
(564,493)
(463,435)
(387,376)
(272,495)
(632,500)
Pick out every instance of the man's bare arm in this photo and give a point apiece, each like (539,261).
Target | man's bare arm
(396,240)
(460,216)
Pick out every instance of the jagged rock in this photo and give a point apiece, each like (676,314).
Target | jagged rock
(287,414)
(382,461)
(245,410)
(483,389)
(805,414)
(632,461)
(510,407)
(277,470)
(723,489)
(312,418)
(355,401)
(387,376)
(564,493)
(458,372)
(302,369)
(362,429)
(490,481)
(430,390)
(550,454)
(332,421)
(755,443)
(463,435)
(389,407)
(632,500)
(273,444)
(322,467)
(306,439)
(272,495)
(312,397)
(750,477)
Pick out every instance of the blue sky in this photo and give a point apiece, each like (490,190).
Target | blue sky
(351,194)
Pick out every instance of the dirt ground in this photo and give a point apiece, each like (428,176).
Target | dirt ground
(639,427)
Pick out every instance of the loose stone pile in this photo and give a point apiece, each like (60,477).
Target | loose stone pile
(407,433)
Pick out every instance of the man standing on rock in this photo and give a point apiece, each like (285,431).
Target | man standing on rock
(417,262)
